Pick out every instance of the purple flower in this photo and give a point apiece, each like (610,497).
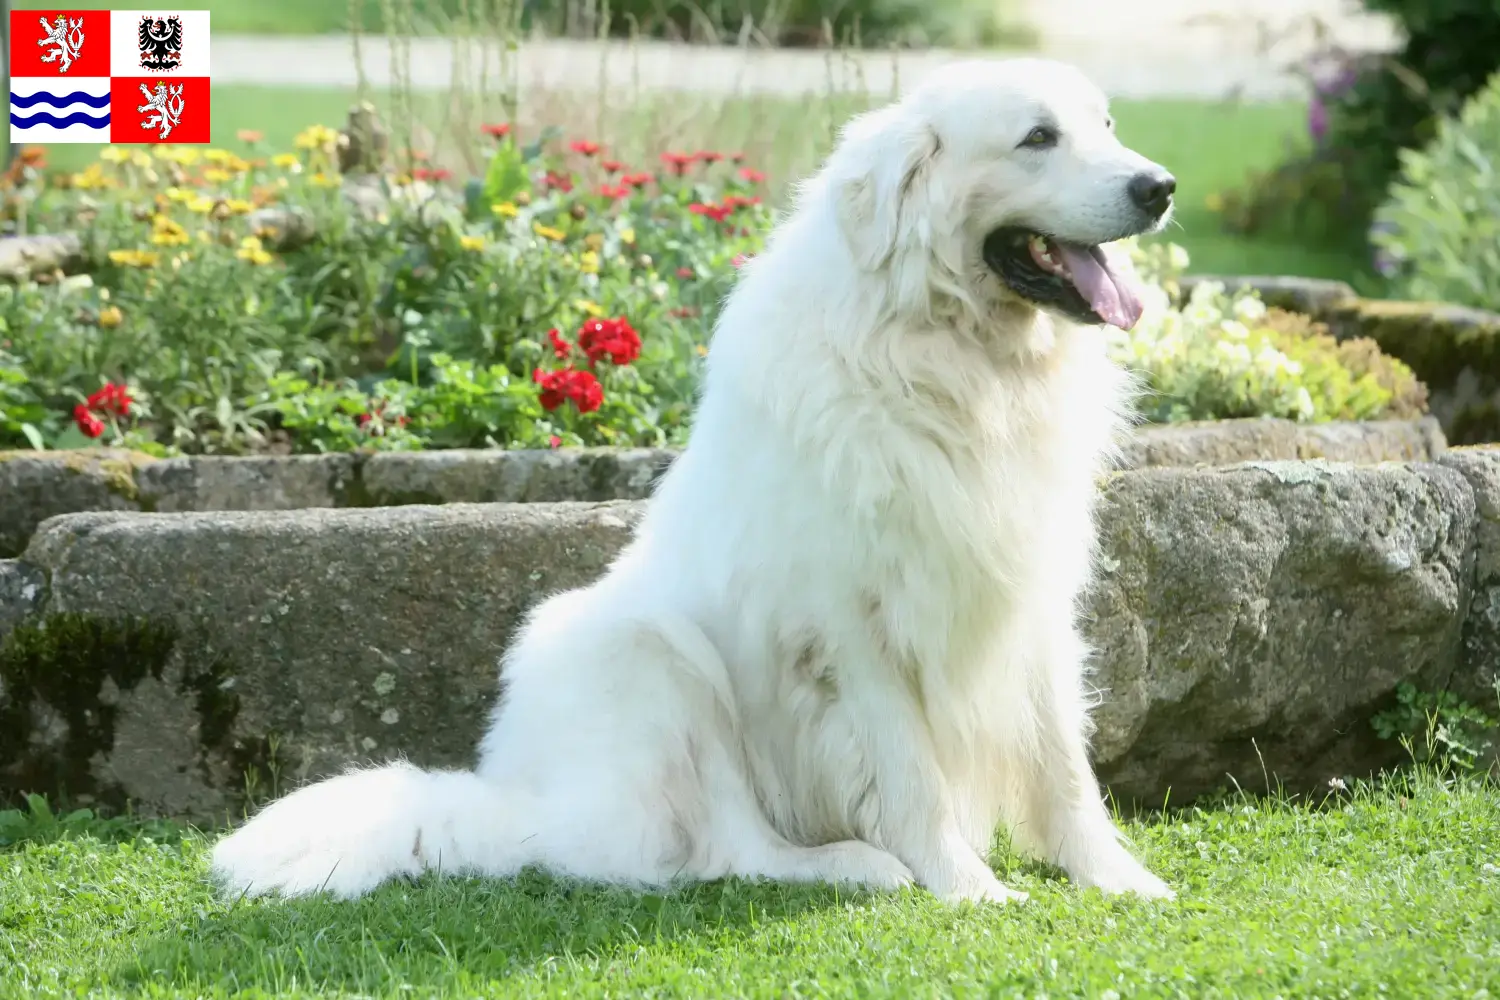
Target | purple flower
(1317,120)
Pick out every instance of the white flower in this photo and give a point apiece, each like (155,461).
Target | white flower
(1177,257)
(1249,309)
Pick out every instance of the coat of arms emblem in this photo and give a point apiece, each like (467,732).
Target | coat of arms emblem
(160,40)
(167,103)
(65,37)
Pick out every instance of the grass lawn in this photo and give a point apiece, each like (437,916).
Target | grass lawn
(1392,892)
(1209,146)
(270,17)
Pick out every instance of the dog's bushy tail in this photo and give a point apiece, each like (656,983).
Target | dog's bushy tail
(349,834)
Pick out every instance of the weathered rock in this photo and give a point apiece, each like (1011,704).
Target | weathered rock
(513,476)
(1246,618)
(1226,442)
(22,589)
(286,482)
(1250,621)
(37,485)
(179,656)
(1479,668)
(24,258)
(1296,294)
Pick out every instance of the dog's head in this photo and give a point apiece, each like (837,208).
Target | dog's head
(999,182)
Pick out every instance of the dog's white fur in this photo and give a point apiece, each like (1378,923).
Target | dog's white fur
(842,643)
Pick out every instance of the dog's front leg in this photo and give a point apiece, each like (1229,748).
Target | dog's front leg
(1062,817)
(912,815)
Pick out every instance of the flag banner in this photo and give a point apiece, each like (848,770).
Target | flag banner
(102,76)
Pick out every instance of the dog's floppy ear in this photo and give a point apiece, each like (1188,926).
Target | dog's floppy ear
(882,158)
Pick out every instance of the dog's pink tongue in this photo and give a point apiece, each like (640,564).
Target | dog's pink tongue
(1114,294)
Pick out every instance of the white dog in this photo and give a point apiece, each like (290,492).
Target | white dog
(842,643)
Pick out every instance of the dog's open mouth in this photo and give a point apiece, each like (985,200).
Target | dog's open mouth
(1078,280)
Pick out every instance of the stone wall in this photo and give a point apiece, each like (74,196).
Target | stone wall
(1249,621)
(36,486)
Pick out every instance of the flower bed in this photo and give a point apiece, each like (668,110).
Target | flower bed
(244,303)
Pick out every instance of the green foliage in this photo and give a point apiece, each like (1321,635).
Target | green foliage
(1441,727)
(1440,226)
(1221,356)
(254,306)
(1366,112)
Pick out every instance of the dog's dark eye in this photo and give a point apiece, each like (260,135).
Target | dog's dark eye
(1109,123)
(1040,137)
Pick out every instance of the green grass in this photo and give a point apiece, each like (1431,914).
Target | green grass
(271,17)
(1210,147)
(1392,892)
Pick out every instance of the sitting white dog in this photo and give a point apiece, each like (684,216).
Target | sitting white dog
(842,643)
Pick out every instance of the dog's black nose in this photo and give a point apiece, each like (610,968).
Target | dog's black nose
(1152,191)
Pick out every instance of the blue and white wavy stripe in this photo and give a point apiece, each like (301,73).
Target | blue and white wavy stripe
(74,110)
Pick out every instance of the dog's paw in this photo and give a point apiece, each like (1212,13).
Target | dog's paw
(855,862)
(976,883)
(1126,878)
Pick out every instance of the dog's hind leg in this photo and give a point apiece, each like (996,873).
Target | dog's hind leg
(1060,815)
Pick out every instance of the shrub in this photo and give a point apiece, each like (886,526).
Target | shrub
(1222,356)
(1440,228)
(234,333)
(237,304)
(1366,111)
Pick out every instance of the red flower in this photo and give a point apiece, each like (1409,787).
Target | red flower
(562,182)
(111,398)
(612,166)
(609,338)
(560,386)
(424,174)
(584,147)
(708,156)
(611,191)
(679,162)
(752,175)
(636,180)
(740,259)
(736,201)
(554,442)
(560,346)
(499,131)
(91,425)
(685,273)
(716,212)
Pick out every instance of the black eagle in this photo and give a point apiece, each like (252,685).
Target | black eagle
(161,42)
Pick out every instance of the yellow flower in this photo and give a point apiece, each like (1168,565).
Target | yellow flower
(114,154)
(110,317)
(547,232)
(92,177)
(251,250)
(592,308)
(324,180)
(218,156)
(214,175)
(165,232)
(1214,202)
(702,351)
(588,262)
(627,235)
(471,242)
(315,137)
(201,205)
(140,159)
(239,206)
(183,156)
(594,242)
(286,161)
(178,194)
(505,209)
(134,258)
